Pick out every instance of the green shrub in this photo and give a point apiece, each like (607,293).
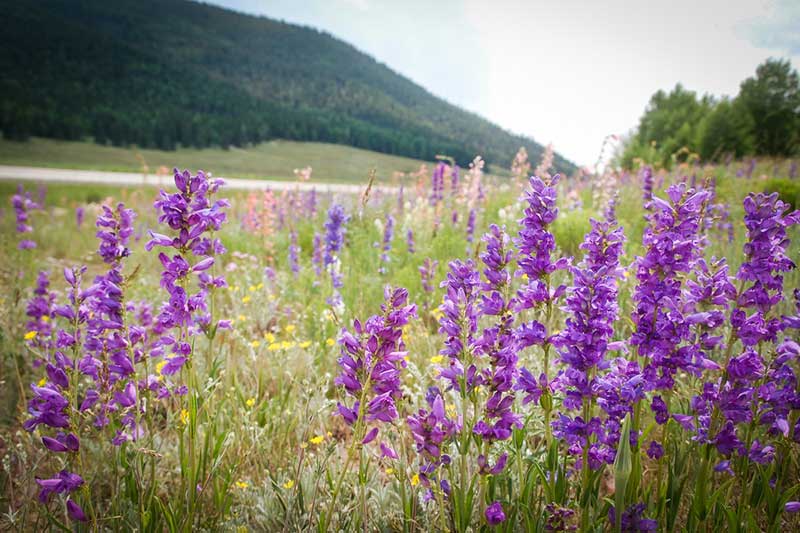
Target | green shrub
(788,190)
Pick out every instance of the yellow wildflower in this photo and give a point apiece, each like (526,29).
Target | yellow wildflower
(290,328)
(389,471)
(316,439)
(330,342)
(250,402)
(305,344)
(184,416)
(251,288)
(436,359)
(45,319)
(274,346)
(415,480)
(246,299)
(260,286)
(242,484)
(241,318)
(269,337)
(286,345)
(437,314)
(289,484)
(160,366)
(255,344)
(42,382)
(30,335)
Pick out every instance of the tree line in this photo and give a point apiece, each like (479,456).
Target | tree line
(763,119)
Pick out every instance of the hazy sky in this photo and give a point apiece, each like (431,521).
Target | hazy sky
(568,72)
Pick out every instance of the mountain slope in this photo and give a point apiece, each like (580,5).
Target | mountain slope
(162,73)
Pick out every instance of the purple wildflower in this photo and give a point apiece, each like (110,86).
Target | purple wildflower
(371,360)
(432,431)
(459,322)
(388,235)
(294,251)
(192,214)
(494,514)
(23,204)
(334,240)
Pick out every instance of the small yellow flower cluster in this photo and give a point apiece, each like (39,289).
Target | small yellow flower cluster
(30,335)
(241,484)
(250,402)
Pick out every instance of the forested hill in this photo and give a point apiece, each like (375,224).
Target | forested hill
(163,73)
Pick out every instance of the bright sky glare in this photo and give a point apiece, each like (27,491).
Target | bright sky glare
(568,72)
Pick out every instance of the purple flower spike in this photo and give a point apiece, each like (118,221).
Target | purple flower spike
(373,356)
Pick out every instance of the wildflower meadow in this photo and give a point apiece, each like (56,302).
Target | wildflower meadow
(446,351)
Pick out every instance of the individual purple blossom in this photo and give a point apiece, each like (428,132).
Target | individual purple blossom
(494,514)
(80,213)
(65,483)
(372,357)
(75,512)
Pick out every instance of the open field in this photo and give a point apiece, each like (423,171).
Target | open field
(275,160)
(257,404)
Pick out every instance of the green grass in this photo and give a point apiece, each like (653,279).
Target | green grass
(274,160)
